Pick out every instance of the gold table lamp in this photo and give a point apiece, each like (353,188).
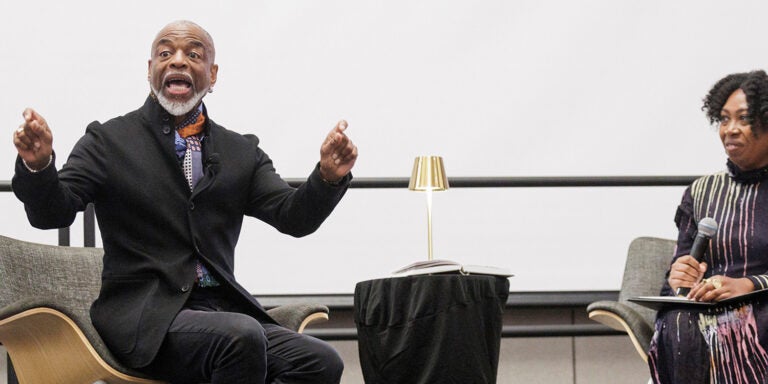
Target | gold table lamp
(428,175)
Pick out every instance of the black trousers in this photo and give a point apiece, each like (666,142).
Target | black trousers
(211,341)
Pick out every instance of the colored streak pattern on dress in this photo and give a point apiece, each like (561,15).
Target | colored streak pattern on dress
(736,354)
(731,336)
(733,206)
(727,344)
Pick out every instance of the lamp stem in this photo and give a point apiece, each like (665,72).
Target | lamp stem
(429,221)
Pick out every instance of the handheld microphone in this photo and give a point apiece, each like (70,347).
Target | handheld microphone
(706,229)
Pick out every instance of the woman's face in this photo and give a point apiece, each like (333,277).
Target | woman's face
(741,145)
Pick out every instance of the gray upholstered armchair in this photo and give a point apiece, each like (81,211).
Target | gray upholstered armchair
(45,295)
(648,259)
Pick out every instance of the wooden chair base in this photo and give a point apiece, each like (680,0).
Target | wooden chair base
(617,323)
(46,346)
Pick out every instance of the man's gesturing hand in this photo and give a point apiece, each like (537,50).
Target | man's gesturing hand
(337,154)
(33,140)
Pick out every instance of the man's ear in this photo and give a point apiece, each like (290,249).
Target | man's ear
(214,72)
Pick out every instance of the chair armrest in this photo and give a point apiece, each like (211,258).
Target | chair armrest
(297,316)
(623,318)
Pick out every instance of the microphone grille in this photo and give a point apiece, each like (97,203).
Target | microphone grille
(707,226)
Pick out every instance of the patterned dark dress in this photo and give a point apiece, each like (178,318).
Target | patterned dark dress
(729,344)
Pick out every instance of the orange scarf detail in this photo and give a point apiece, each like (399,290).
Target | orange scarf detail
(194,128)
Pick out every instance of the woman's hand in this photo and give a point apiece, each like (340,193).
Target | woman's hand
(720,287)
(685,272)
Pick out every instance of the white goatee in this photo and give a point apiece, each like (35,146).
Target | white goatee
(178,108)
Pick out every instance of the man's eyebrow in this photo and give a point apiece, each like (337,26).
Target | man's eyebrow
(163,42)
(193,42)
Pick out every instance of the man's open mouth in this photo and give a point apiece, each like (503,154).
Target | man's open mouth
(178,85)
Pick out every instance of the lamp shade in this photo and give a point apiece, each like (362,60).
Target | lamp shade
(428,174)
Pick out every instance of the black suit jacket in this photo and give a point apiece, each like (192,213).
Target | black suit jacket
(154,229)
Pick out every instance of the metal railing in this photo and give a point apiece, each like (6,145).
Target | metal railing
(504,182)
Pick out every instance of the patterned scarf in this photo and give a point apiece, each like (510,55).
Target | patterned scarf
(188,148)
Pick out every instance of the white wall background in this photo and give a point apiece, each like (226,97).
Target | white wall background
(497,87)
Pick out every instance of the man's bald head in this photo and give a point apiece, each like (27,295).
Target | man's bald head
(186,25)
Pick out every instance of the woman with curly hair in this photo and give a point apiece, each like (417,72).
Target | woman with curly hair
(724,344)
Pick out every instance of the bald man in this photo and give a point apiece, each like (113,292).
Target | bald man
(170,189)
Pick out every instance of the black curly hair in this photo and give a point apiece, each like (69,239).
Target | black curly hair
(755,87)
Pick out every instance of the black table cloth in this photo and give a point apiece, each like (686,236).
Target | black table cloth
(430,328)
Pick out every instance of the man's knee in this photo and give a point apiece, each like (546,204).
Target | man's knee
(245,335)
(332,364)
(335,368)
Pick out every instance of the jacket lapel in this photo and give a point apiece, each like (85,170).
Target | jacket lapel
(210,158)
